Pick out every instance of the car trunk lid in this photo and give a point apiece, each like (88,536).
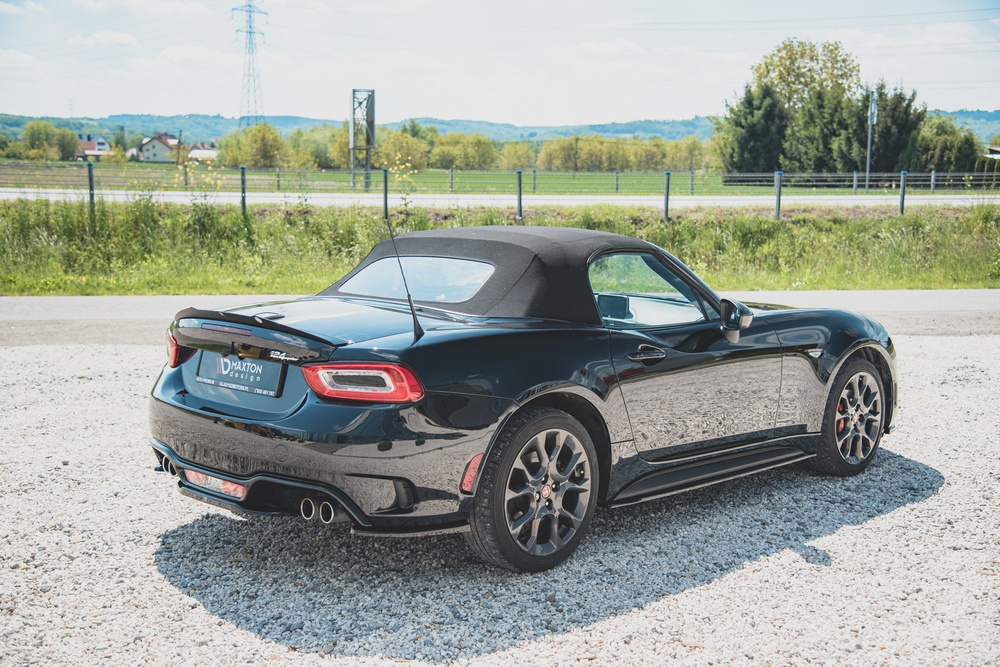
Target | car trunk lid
(247,356)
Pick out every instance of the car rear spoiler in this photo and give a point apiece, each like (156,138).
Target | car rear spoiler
(249,336)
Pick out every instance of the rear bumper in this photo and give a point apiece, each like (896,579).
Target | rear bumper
(392,471)
(360,524)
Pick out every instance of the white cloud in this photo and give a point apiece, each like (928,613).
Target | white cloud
(91,4)
(11,60)
(182,9)
(12,10)
(105,38)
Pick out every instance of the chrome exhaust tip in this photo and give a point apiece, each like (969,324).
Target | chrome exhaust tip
(307,508)
(327,512)
(169,466)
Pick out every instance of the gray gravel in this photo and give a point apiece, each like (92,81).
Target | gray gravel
(101,561)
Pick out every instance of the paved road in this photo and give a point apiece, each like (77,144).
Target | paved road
(143,319)
(342,199)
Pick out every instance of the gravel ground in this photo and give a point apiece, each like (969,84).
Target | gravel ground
(101,561)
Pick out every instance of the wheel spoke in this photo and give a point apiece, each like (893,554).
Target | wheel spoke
(538,443)
(519,523)
(514,494)
(573,518)
(554,537)
(553,458)
(563,476)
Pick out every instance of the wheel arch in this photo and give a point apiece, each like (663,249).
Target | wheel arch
(569,401)
(590,417)
(876,355)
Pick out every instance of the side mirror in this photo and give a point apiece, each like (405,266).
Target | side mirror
(735,318)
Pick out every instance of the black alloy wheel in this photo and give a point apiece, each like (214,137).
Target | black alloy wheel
(537,492)
(854,420)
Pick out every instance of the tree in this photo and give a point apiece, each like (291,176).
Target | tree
(617,156)
(397,150)
(809,142)
(649,155)
(794,68)
(480,153)
(445,156)
(687,154)
(340,148)
(942,146)
(995,140)
(894,137)
(263,147)
(590,153)
(461,151)
(67,143)
(559,154)
(115,156)
(516,155)
(751,134)
(38,135)
(259,146)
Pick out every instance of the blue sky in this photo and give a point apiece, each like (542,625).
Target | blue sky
(539,63)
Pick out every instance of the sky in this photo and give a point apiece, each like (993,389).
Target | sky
(535,62)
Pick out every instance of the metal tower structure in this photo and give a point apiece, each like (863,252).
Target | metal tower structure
(251,104)
(362,133)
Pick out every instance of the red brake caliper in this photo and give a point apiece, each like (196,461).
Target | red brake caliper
(843,420)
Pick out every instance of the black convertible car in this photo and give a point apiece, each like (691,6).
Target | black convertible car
(536,373)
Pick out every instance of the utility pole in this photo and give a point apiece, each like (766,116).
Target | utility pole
(180,135)
(251,104)
(872,119)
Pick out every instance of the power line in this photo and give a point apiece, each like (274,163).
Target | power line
(251,102)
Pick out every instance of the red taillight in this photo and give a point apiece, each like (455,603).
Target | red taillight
(177,354)
(469,478)
(372,383)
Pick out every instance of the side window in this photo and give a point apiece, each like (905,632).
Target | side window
(637,290)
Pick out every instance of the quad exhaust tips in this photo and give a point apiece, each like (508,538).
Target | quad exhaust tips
(310,508)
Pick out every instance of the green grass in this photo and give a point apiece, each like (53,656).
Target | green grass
(144,247)
(141,177)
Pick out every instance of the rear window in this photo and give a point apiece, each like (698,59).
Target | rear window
(435,279)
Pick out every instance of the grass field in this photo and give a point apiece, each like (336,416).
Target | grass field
(144,247)
(141,177)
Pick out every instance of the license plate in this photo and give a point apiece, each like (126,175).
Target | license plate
(250,375)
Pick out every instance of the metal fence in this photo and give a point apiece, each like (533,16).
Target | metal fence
(144,177)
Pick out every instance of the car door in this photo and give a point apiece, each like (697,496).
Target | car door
(686,386)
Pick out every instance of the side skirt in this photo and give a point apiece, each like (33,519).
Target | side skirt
(676,479)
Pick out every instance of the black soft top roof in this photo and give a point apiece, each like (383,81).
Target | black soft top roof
(539,271)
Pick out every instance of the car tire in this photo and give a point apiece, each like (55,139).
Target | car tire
(853,422)
(537,492)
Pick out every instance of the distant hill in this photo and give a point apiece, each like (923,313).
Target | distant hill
(984,124)
(196,127)
(699,126)
(203,127)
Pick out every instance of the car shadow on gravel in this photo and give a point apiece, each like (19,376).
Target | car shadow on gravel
(315,588)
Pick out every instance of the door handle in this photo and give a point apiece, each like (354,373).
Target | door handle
(646,353)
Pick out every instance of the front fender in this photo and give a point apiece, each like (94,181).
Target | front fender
(815,345)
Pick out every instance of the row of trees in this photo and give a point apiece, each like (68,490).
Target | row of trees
(41,140)
(417,147)
(805,111)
